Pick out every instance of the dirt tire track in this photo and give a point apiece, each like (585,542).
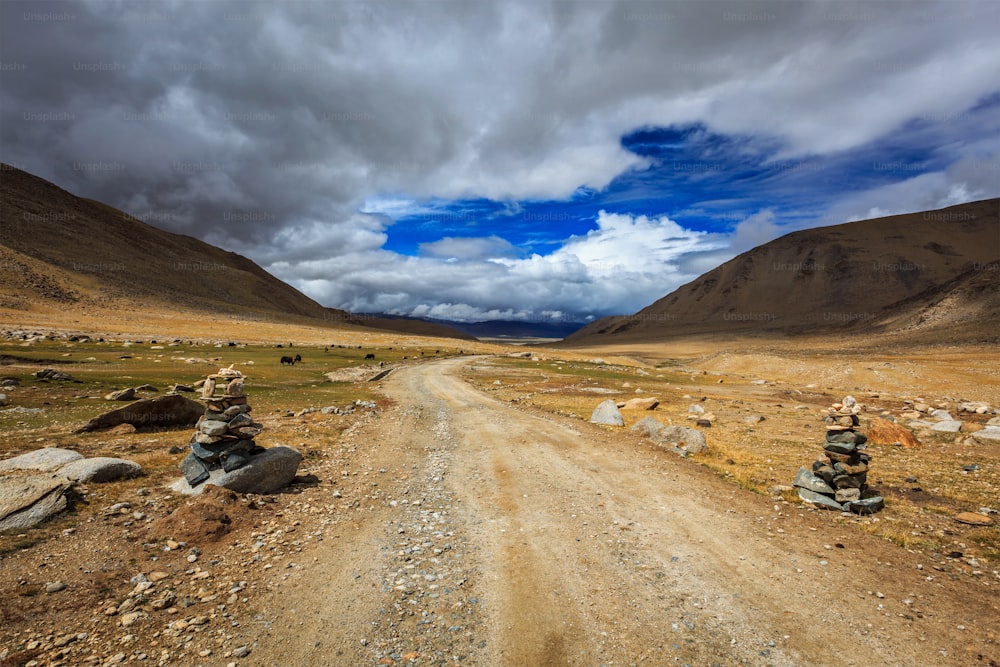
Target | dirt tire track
(563,544)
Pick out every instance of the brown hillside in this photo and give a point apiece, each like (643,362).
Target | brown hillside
(63,253)
(933,274)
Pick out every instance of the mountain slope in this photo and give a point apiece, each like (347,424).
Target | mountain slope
(874,275)
(60,252)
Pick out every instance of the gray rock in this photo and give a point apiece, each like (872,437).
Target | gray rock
(266,472)
(807,480)
(990,433)
(840,447)
(241,419)
(27,500)
(686,439)
(100,469)
(121,395)
(183,387)
(234,410)
(203,439)
(847,495)
(845,437)
(696,409)
(648,426)
(942,415)
(821,501)
(867,505)
(146,387)
(213,427)
(3,400)
(947,426)
(53,374)
(169,410)
(47,459)
(850,481)
(607,413)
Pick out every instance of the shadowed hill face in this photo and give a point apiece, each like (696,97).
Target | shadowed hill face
(870,275)
(59,246)
(62,252)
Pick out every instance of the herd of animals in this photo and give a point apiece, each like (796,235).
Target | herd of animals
(291,361)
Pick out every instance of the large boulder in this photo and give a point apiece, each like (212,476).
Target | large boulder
(100,469)
(26,500)
(47,459)
(265,472)
(607,413)
(641,404)
(648,426)
(686,440)
(169,410)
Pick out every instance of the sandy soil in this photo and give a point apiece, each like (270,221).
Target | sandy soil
(494,535)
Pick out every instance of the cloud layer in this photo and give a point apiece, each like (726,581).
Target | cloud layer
(317,137)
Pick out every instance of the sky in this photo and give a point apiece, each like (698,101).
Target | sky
(530,160)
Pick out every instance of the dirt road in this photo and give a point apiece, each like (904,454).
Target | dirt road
(488,535)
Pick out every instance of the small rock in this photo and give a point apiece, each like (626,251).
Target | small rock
(130,618)
(820,500)
(867,505)
(121,395)
(807,480)
(973,519)
(55,587)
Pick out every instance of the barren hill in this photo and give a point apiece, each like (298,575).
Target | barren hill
(63,253)
(932,275)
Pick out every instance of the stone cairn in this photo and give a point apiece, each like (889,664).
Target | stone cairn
(839,478)
(226,432)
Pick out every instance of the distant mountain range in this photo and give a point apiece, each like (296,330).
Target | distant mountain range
(929,276)
(60,252)
(932,276)
(513,329)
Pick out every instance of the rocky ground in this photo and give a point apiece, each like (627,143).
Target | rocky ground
(451,528)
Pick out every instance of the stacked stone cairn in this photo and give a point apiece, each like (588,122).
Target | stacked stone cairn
(839,478)
(226,432)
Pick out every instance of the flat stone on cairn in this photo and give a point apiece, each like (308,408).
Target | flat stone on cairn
(839,478)
(223,449)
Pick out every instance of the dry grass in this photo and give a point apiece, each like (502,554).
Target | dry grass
(759,455)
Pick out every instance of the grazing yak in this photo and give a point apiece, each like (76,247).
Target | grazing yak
(288,360)
(370,356)
(298,358)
